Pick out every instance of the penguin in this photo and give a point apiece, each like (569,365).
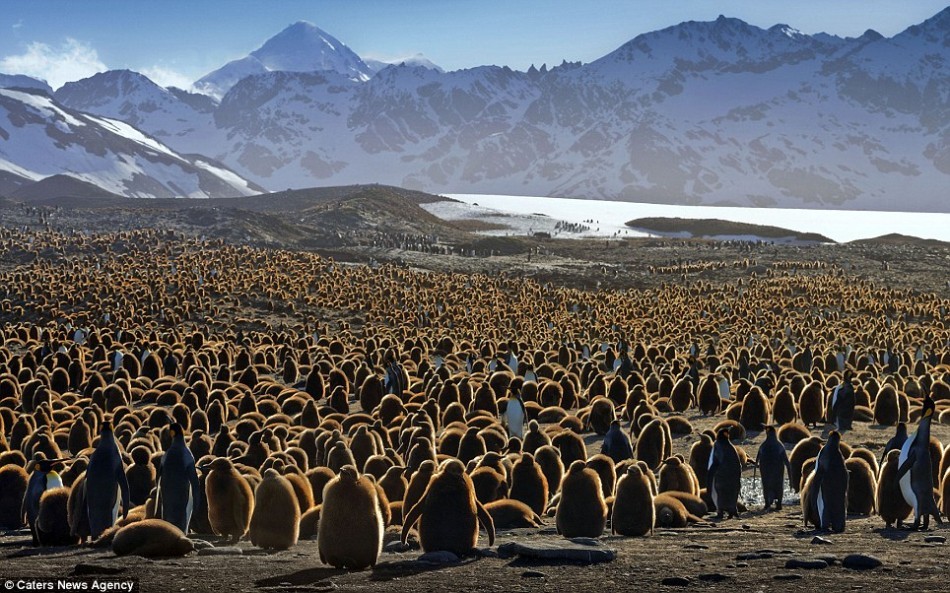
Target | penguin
(448,513)
(699,458)
(633,512)
(915,473)
(52,523)
(897,441)
(723,475)
(515,416)
(862,486)
(582,510)
(275,522)
(616,443)
(512,514)
(43,477)
(772,461)
(670,512)
(229,498)
(528,484)
(827,488)
(178,489)
(105,481)
(151,538)
(13,485)
(890,502)
(842,403)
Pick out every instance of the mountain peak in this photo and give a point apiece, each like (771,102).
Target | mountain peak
(304,47)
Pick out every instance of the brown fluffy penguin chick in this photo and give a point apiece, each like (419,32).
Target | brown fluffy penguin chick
(699,458)
(676,475)
(862,487)
(549,459)
(418,484)
(581,511)
(528,484)
(52,523)
(512,514)
(448,513)
(13,481)
(633,510)
(151,538)
(671,513)
(802,452)
(890,500)
(351,528)
(275,523)
(230,500)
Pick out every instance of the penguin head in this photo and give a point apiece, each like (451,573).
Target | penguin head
(929,407)
(634,470)
(577,466)
(769,430)
(453,467)
(902,429)
(723,435)
(175,431)
(348,474)
(834,437)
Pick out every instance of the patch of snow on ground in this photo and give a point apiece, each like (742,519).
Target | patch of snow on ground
(525,215)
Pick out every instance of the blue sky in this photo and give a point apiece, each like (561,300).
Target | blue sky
(178,41)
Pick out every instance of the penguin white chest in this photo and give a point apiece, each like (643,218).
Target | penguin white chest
(515,417)
(907,490)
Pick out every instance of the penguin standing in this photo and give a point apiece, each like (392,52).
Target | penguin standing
(772,461)
(105,479)
(914,472)
(842,403)
(515,416)
(616,443)
(42,478)
(896,442)
(178,489)
(724,473)
(828,486)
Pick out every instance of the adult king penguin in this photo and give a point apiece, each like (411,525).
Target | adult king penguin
(43,477)
(830,481)
(842,403)
(515,416)
(914,472)
(178,489)
(105,479)
(724,475)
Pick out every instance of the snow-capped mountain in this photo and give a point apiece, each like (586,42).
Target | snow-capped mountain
(172,116)
(40,138)
(414,60)
(718,112)
(301,47)
(20,81)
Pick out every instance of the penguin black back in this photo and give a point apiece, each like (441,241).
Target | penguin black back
(178,488)
(104,476)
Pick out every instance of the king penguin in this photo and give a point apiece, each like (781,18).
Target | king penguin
(724,475)
(831,485)
(772,460)
(178,489)
(842,403)
(914,472)
(515,416)
(616,443)
(105,480)
(896,442)
(43,477)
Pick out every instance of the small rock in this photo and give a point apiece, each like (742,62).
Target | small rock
(533,574)
(806,563)
(87,569)
(831,559)
(746,526)
(742,565)
(860,562)
(485,553)
(397,546)
(222,551)
(792,576)
(713,577)
(676,581)
(558,550)
(820,540)
(935,539)
(439,557)
(695,547)
(755,556)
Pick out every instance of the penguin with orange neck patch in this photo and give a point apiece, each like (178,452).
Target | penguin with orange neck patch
(914,472)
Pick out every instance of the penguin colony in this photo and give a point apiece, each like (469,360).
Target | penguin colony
(153,387)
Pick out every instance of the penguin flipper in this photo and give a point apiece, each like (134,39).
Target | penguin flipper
(908,463)
(485,519)
(124,487)
(411,517)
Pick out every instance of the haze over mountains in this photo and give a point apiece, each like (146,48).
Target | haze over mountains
(713,113)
